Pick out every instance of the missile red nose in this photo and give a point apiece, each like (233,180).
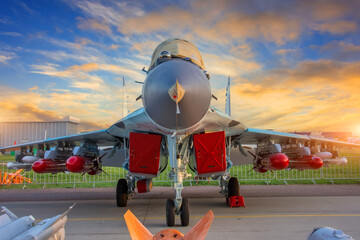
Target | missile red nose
(316,162)
(279,161)
(40,166)
(75,164)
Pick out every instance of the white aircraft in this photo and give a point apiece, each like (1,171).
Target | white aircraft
(178,125)
(26,228)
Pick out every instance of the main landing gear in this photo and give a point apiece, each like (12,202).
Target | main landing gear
(121,193)
(233,198)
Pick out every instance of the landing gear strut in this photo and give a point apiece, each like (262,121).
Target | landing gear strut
(178,160)
(121,193)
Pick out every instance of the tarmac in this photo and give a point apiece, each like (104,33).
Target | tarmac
(272,212)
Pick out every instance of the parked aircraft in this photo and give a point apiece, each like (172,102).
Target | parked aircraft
(177,124)
(25,228)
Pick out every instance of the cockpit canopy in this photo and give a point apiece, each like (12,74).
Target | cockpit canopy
(176,48)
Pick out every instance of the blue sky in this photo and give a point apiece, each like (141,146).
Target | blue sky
(294,65)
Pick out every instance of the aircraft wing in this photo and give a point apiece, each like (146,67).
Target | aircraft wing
(253,135)
(216,121)
(101,137)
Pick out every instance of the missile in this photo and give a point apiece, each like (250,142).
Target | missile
(335,161)
(275,161)
(30,159)
(306,162)
(48,166)
(323,155)
(16,166)
(79,164)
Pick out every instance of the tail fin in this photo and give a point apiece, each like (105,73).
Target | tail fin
(227,104)
(125,107)
(136,229)
(201,228)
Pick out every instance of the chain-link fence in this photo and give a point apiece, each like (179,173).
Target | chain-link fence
(244,173)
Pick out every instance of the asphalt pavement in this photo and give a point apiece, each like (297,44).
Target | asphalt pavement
(272,212)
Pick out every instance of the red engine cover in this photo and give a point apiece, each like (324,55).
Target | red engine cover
(144,153)
(210,152)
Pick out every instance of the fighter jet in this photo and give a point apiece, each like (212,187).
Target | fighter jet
(25,228)
(178,125)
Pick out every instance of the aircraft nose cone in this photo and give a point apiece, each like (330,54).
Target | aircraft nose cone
(176,94)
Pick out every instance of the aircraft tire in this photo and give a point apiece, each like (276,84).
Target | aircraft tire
(121,193)
(233,187)
(185,212)
(170,213)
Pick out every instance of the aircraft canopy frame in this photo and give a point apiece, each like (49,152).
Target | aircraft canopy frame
(178,48)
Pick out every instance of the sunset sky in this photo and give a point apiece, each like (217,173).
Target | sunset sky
(294,65)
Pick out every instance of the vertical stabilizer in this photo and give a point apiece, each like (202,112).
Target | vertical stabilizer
(227,104)
(201,228)
(125,107)
(136,229)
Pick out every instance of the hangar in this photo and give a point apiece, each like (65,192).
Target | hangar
(22,132)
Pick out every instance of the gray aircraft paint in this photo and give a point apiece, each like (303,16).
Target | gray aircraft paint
(25,228)
(162,109)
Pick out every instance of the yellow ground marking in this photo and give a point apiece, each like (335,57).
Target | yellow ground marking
(239,216)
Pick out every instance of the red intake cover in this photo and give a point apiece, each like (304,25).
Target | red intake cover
(144,153)
(210,152)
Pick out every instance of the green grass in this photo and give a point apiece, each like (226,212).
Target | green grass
(349,174)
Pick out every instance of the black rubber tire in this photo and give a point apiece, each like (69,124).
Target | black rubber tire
(121,193)
(233,187)
(170,213)
(185,212)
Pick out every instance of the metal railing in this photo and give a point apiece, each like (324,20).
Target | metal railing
(243,173)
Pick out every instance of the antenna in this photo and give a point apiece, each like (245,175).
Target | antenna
(125,110)
(227,103)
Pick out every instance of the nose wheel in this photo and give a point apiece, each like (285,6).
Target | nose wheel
(185,212)
(171,212)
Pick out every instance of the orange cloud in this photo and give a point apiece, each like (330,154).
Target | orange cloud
(92,24)
(342,46)
(80,42)
(229,65)
(317,95)
(325,9)
(88,67)
(154,21)
(19,105)
(114,46)
(336,27)
(286,51)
